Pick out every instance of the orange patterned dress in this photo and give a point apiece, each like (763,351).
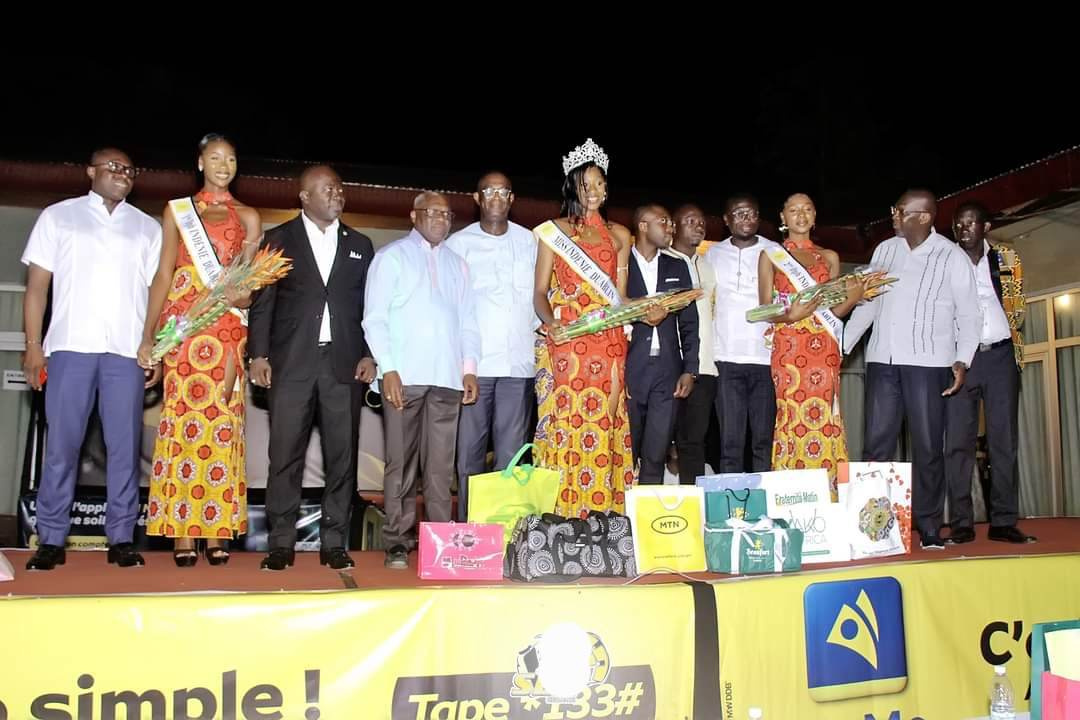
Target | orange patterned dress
(575,433)
(805,363)
(197,486)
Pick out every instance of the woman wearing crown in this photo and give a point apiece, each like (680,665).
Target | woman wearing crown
(583,428)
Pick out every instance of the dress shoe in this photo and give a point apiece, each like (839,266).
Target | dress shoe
(278,559)
(125,555)
(931,542)
(47,557)
(336,558)
(1010,534)
(961,535)
(397,558)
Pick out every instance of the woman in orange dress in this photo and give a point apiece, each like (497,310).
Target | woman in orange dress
(583,429)
(197,487)
(809,430)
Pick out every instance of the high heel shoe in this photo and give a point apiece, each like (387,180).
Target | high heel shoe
(217,554)
(185,557)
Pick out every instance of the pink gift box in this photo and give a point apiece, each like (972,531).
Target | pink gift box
(461,551)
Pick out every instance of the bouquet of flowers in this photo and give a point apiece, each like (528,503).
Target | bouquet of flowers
(830,293)
(266,268)
(624,314)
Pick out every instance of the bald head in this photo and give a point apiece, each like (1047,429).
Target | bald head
(431,216)
(919,200)
(493,179)
(322,195)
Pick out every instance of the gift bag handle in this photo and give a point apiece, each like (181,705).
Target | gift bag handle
(509,471)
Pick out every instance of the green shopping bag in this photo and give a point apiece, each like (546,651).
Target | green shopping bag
(505,496)
(766,546)
(720,505)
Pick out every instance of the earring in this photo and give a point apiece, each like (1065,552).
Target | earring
(783,228)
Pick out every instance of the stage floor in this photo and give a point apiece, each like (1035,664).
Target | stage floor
(87,573)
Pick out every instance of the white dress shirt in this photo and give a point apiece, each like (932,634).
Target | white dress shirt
(930,316)
(102,265)
(703,277)
(736,269)
(324,247)
(995,326)
(650,272)
(502,270)
(419,315)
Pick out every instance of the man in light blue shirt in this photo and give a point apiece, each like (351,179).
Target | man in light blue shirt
(501,256)
(420,323)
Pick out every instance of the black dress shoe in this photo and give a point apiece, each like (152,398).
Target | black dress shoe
(47,557)
(336,558)
(1010,534)
(397,558)
(960,536)
(931,542)
(278,559)
(124,555)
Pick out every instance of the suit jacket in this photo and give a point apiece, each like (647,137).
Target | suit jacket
(285,317)
(678,332)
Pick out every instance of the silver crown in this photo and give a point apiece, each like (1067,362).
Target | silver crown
(589,152)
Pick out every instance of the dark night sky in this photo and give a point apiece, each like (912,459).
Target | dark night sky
(850,131)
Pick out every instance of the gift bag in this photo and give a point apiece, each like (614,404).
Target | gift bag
(801,498)
(556,549)
(668,522)
(505,496)
(1060,698)
(877,507)
(728,481)
(1041,664)
(739,547)
(741,504)
(460,551)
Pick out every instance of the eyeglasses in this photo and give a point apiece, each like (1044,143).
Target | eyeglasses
(663,221)
(332,190)
(502,192)
(432,213)
(744,214)
(119,168)
(901,211)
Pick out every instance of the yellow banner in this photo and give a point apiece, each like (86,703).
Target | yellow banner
(441,654)
(895,642)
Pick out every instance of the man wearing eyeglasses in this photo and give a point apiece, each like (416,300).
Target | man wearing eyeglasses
(501,256)
(925,334)
(100,255)
(745,396)
(307,347)
(420,321)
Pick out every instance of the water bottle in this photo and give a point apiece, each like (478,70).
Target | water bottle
(755,713)
(1001,696)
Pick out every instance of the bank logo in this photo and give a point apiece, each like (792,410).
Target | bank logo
(854,638)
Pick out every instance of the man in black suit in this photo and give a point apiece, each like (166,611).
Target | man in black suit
(663,359)
(305,334)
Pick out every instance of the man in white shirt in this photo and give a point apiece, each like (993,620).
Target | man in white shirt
(662,356)
(307,347)
(100,254)
(745,394)
(501,257)
(420,322)
(694,413)
(993,378)
(925,333)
